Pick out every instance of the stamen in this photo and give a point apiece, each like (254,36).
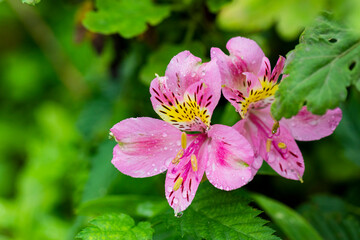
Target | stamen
(183,140)
(281,145)
(275,127)
(178,183)
(111,135)
(179,155)
(194,164)
(300,178)
(268,144)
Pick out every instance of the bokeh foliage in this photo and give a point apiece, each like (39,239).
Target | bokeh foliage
(71,69)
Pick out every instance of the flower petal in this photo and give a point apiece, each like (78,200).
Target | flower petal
(306,126)
(191,111)
(248,51)
(247,129)
(183,178)
(230,157)
(145,146)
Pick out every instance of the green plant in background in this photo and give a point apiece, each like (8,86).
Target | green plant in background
(59,97)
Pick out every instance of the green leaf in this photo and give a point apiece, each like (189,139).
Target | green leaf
(332,217)
(158,61)
(134,205)
(215,5)
(290,222)
(128,18)
(30,2)
(321,67)
(216,214)
(116,226)
(289,16)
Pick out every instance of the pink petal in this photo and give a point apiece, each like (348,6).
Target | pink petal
(248,51)
(179,199)
(278,69)
(182,72)
(191,111)
(145,146)
(284,156)
(230,157)
(306,126)
(247,129)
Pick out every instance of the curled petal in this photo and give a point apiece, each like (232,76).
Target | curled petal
(248,51)
(145,146)
(230,158)
(306,126)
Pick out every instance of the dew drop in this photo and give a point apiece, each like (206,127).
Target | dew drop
(169,189)
(176,200)
(179,214)
(178,143)
(165,148)
(153,165)
(148,173)
(164,135)
(314,122)
(193,74)
(155,170)
(227,189)
(163,169)
(184,194)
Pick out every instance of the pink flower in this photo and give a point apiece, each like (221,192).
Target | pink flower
(249,84)
(184,143)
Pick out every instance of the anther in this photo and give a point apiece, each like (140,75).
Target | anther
(275,127)
(194,164)
(281,145)
(183,140)
(179,155)
(300,178)
(268,144)
(178,183)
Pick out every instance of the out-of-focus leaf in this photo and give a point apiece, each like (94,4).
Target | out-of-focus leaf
(290,16)
(265,169)
(326,61)
(158,61)
(30,2)
(215,5)
(333,217)
(134,205)
(216,214)
(116,226)
(229,116)
(290,222)
(128,18)
(348,131)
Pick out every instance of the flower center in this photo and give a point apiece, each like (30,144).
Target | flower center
(259,97)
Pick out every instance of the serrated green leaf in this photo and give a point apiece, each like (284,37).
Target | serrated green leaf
(332,217)
(128,18)
(321,67)
(116,226)
(30,2)
(134,205)
(158,61)
(216,214)
(290,222)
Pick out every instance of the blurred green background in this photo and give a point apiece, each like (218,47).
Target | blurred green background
(67,77)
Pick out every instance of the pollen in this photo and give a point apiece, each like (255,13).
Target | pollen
(178,156)
(194,164)
(178,183)
(281,145)
(183,140)
(268,144)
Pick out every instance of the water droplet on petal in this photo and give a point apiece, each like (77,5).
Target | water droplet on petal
(169,189)
(176,200)
(184,194)
(148,173)
(164,135)
(165,148)
(314,122)
(193,74)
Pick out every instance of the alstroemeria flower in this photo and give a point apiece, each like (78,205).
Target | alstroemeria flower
(183,143)
(249,84)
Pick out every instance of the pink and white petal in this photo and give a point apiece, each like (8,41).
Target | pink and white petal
(284,155)
(233,96)
(248,51)
(306,126)
(230,67)
(265,69)
(278,69)
(182,72)
(230,158)
(246,128)
(145,146)
(181,198)
(210,73)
